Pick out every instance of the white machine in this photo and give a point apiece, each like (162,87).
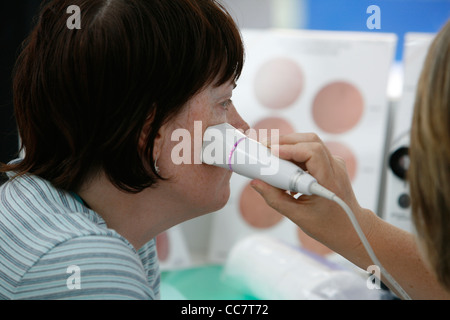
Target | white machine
(397,210)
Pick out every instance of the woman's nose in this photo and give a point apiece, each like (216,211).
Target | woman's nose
(236,120)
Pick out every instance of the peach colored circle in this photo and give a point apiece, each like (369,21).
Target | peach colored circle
(338,107)
(278,83)
(162,246)
(270,124)
(311,244)
(341,150)
(254,209)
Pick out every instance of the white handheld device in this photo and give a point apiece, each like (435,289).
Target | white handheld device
(227,147)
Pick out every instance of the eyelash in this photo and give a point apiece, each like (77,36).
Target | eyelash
(226,104)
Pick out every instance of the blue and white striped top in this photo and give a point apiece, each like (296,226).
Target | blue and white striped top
(54,247)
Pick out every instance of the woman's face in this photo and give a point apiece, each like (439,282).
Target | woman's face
(199,187)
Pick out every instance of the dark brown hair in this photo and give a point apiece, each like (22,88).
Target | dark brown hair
(429,171)
(82,96)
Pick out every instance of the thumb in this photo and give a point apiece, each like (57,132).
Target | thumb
(276,198)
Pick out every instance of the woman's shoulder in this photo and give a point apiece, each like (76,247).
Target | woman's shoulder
(46,233)
(87,267)
(33,209)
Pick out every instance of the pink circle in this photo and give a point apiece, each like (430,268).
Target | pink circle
(338,107)
(279,83)
(344,152)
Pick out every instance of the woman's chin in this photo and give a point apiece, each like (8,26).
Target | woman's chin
(221,198)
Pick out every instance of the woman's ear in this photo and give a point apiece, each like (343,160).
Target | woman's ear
(145,133)
(144,136)
(158,140)
(158,144)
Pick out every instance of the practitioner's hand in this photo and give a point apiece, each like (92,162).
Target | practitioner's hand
(320,218)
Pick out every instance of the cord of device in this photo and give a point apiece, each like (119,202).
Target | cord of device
(319,190)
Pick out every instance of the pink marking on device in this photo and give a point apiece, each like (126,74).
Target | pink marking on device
(232,151)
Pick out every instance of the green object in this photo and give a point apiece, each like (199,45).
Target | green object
(201,283)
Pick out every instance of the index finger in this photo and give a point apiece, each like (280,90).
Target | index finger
(311,156)
(294,138)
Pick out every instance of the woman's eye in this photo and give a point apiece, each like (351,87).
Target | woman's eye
(226,104)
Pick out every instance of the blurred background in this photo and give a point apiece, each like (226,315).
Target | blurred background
(397,16)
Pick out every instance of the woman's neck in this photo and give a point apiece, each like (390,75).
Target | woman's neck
(137,217)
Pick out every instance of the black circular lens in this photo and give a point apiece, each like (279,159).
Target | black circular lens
(399,162)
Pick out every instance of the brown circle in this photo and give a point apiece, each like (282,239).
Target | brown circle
(278,83)
(341,150)
(338,107)
(253,208)
(162,246)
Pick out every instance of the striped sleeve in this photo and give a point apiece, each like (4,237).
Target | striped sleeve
(88,267)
